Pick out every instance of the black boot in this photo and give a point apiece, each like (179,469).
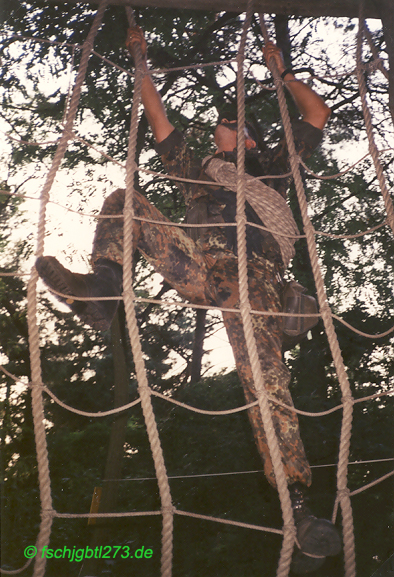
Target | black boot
(317,538)
(106,281)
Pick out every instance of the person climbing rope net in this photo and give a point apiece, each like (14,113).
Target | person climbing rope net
(201,263)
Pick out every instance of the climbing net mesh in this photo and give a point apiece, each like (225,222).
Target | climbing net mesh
(168,510)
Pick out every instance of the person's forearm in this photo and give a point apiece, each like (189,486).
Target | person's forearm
(311,106)
(154,107)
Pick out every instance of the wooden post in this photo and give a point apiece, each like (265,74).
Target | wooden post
(113,467)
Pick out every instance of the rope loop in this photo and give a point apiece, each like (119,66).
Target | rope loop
(325,308)
(347,398)
(296,157)
(133,165)
(37,384)
(131,319)
(290,529)
(145,388)
(245,307)
(343,494)
(48,513)
(128,294)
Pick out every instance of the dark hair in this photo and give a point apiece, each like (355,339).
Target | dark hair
(232,117)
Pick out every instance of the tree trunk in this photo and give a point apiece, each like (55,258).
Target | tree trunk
(283,37)
(198,347)
(113,467)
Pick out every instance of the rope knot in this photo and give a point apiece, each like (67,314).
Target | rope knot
(37,385)
(245,307)
(128,293)
(347,398)
(295,157)
(132,165)
(290,529)
(376,63)
(48,513)
(145,389)
(343,493)
(262,394)
(128,211)
(69,133)
(325,307)
(168,509)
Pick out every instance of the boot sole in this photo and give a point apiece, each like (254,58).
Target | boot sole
(318,537)
(302,564)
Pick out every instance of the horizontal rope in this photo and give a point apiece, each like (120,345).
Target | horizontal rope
(129,514)
(212,307)
(171,177)
(358,491)
(174,510)
(127,406)
(228,522)
(272,400)
(372,66)
(344,171)
(203,225)
(16,571)
(256,471)
(98,414)
(75,136)
(117,515)
(191,225)
(105,515)
(117,66)
(231,310)
(372,484)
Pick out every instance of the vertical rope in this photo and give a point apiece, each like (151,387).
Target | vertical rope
(36,377)
(245,308)
(368,123)
(374,50)
(344,448)
(128,296)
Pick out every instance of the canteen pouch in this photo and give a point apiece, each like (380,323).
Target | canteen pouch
(294,300)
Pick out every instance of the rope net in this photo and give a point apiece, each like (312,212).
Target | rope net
(38,387)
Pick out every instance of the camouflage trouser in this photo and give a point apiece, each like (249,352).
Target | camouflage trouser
(205,276)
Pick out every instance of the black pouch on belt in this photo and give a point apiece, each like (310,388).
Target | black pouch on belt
(295,300)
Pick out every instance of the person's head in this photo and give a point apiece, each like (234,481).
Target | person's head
(225,135)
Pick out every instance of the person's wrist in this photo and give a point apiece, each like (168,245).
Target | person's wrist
(144,60)
(285,72)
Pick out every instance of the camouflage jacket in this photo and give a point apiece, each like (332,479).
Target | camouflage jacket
(210,203)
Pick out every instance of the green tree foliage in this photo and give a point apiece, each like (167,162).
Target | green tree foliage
(36,78)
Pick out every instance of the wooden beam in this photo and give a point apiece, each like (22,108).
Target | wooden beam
(314,8)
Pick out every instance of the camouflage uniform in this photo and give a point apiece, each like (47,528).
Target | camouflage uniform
(203,267)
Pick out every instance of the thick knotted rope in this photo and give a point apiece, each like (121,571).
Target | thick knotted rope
(135,342)
(289,530)
(369,126)
(47,511)
(268,204)
(344,448)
